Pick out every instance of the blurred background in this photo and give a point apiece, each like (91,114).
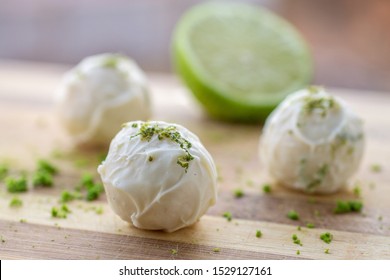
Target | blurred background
(349,39)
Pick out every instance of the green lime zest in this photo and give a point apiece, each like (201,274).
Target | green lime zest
(60,212)
(348,206)
(228,216)
(42,178)
(293,215)
(326,251)
(266,188)
(4,170)
(88,184)
(16,185)
(376,168)
(238,193)
(310,225)
(15,202)
(67,196)
(327,237)
(296,240)
(147,131)
(46,166)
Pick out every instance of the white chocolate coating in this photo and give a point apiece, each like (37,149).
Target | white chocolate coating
(312,142)
(98,95)
(148,188)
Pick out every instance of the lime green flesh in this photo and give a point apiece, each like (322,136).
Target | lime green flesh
(239,60)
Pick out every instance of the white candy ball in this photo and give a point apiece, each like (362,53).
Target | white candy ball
(312,142)
(158,176)
(98,95)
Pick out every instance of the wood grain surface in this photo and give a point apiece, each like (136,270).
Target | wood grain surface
(29,131)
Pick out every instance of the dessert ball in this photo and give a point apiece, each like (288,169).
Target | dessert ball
(98,95)
(158,176)
(312,142)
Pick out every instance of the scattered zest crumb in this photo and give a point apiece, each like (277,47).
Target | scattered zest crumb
(45,166)
(376,168)
(173,252)
(357,190)
(310,225)
(259,233)
(238,193)
(2,239)
(298,252)
(326,251)
(3,171)
(15,185)
(299,228)
(93,189)
(266,188)
(293,215)
(216,250)
(61,212)
(16,202)
(296,240)
(67,196)
(348,206)
(23,221)
(327,237)
(98,210)
(228,216)
(42,178)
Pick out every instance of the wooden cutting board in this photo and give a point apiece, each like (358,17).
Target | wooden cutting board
(29,131)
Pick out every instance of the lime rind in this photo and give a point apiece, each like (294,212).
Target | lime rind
(220,96)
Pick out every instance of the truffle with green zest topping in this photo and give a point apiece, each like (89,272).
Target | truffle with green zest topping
(108,89)
(158,175)
(312,142)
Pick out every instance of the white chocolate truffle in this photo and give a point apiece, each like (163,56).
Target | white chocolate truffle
(312,142)
(98,95)
(158,176)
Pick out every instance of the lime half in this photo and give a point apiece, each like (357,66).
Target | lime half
(239,60)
